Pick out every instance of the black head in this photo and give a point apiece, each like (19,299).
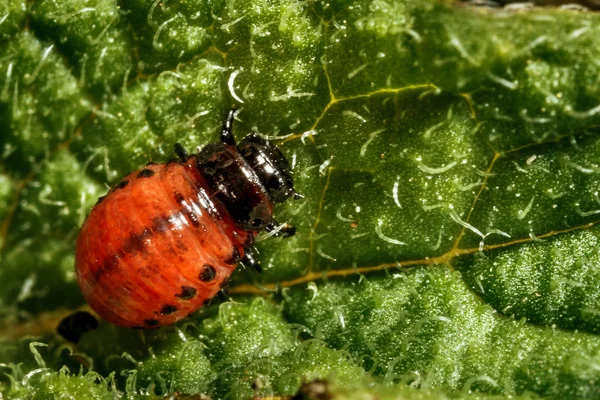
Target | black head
(270,166)
(246,178)
(235,185)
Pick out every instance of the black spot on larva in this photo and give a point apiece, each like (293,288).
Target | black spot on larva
(179,198)
(75,325)
(187,293)
(168,309)
(225,283)
(234,258)
(145,173)
(151,322)
(208,273)
(160,224)
(122,184)
(100,199)
(206,301)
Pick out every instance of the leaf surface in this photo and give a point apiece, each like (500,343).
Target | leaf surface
(447,245)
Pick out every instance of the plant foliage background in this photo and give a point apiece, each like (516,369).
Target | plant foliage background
(450,158)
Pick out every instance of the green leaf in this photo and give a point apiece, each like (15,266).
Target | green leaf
(447,245)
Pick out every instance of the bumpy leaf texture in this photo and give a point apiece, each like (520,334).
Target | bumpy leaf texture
(447,245)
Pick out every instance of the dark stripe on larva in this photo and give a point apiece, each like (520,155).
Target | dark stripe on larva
(122,184)
(160,224)
(181,245)
(135,243)
(100,199)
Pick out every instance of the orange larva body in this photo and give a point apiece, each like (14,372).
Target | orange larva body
(166,239)
(157,247)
